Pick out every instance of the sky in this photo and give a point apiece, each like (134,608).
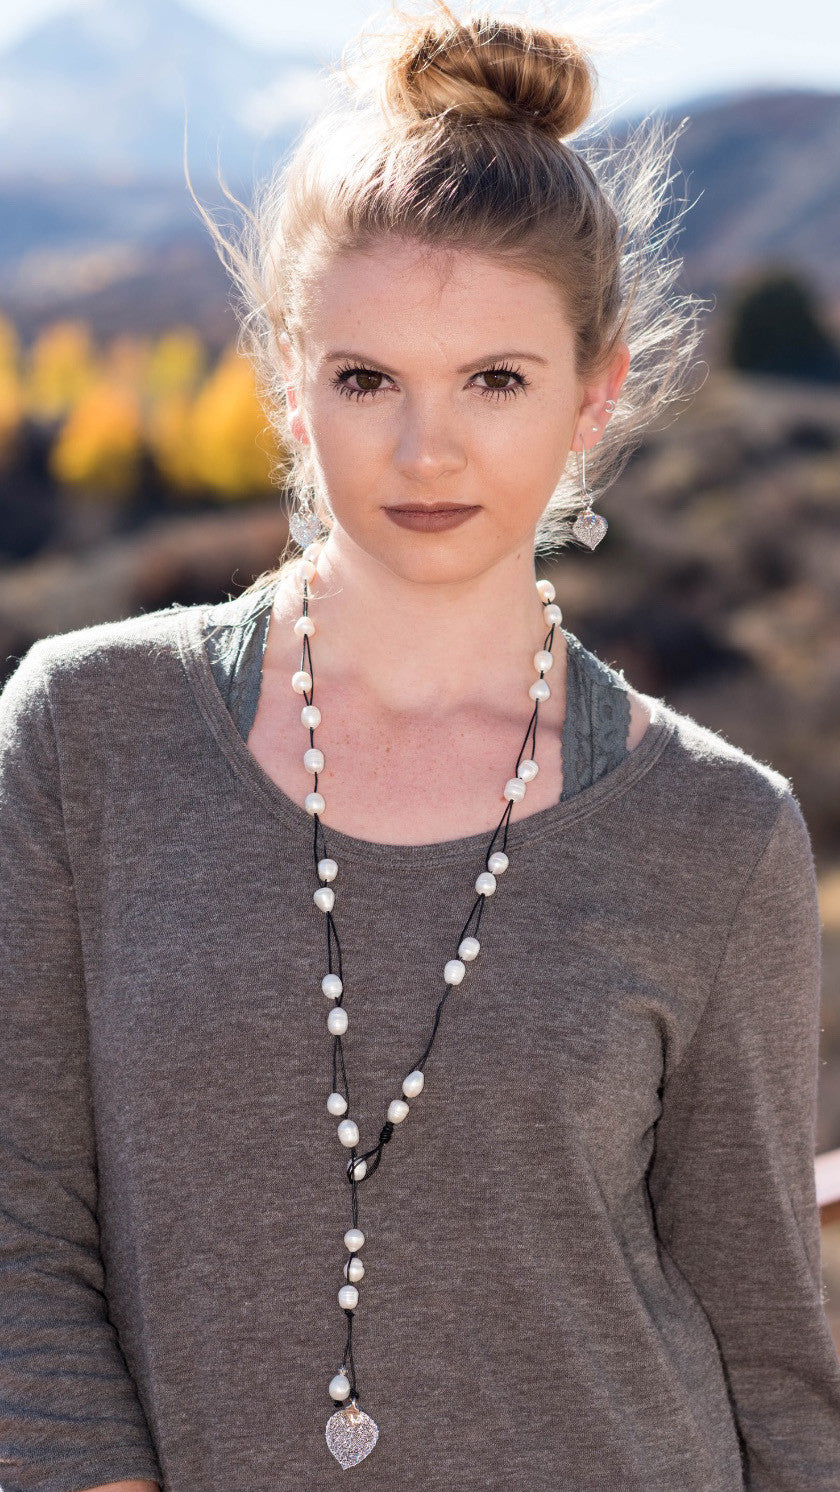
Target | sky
(678,49)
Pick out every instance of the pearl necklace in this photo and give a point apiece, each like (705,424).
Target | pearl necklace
(351,1434)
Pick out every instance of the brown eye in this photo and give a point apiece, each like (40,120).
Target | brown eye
(499,391)
(363,374)
(369,382)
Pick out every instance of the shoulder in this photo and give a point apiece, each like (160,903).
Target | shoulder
(719,819)
(722,802)
(100,648)
(705,784)
(709,762)
(99,702)
(107,675)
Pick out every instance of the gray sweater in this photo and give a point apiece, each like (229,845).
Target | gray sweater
(593,1249)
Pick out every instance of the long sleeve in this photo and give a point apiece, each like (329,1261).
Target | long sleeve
(70,1416)
(732,1177)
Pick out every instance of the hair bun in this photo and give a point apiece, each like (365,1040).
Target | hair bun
(483,67)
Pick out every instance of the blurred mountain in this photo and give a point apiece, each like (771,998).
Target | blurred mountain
(93,104)
(124,255)
(768,164)
(98,221)
(105,88)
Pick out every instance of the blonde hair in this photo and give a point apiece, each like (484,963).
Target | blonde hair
(453,134)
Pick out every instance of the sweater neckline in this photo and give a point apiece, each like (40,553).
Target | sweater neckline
(545,821)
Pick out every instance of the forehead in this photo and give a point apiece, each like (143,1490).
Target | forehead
(410,293)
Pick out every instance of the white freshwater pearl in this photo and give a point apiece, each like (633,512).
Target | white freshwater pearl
(305,570)
(514,789)
(527,770)
(313,759)
(354,1270)
(498,863)
(314,803)
(310,716)
(413,1084)
(301,681)
(338,1020)
(337,1104)
(553,615)
(348,1133)
(539,689)
(546,590)
(543,660)
(468,948)
(327,869)
(339,1386)
(353,1239)
(486,883)
(312,552)
(358,1168)
(454,971)
(397,1110)
(348,1297)
(331,983)
(324,898)
(304,626)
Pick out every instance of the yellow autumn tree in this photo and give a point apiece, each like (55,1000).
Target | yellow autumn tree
(176,367)
(10,351)
(99,446)
(177,363)
(11,388)
(63,366)
(126,361)
(229,436)
(169,433)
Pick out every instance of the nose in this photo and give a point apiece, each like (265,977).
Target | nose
(428,444)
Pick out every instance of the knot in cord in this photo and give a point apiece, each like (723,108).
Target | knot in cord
(384,1136)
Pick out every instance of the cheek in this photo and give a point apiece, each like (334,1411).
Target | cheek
(528,437)
(351,458)
(525,464)
(339,424)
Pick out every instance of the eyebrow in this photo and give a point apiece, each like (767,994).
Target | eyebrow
(479,362)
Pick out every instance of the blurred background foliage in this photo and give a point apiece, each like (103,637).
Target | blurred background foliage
(102,414)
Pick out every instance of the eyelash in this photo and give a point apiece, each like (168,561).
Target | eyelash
(339,382)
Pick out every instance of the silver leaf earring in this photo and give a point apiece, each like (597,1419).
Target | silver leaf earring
(305,526)
(588,527)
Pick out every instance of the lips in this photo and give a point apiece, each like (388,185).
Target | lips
(431,519)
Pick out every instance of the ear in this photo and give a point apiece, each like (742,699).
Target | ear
(592,411)
(297,423)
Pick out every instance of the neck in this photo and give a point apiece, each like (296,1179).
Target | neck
(418,645)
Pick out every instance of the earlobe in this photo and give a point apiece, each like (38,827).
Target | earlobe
(297,425)
(283,345)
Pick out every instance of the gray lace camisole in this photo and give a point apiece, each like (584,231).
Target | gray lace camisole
(595,730)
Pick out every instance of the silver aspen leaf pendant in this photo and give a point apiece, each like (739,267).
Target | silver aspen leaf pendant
(590,528)
(351,1435)
(304,527)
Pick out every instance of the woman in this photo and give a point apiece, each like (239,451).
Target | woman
(425,1081)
